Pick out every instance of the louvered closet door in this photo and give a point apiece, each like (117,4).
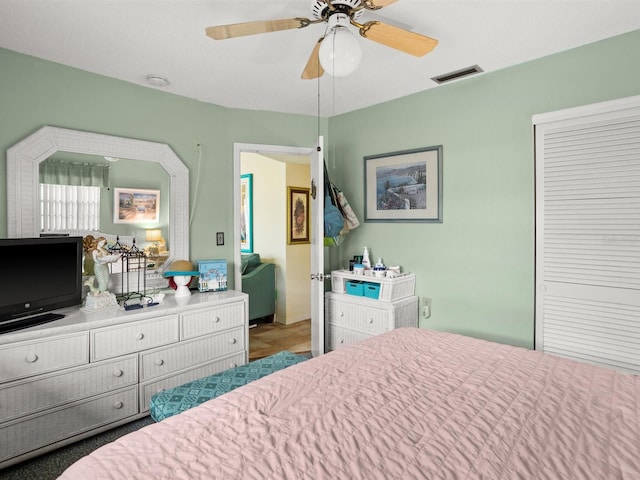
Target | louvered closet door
(588,233)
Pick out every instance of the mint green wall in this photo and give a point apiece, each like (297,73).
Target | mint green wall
(34,93)
(477,266)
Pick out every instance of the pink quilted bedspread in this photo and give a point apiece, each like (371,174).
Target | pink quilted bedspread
(409,404)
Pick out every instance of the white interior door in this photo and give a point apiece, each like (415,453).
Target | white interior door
(317,249)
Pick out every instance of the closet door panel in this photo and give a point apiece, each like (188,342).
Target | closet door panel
(588,235)
(594,324)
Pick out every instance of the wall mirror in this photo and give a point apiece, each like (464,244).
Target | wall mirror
(110,179)
(25,157)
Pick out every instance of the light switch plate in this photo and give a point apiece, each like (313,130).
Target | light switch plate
(220,238)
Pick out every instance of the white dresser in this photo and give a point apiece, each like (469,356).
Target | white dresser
(88,372)
(351,318)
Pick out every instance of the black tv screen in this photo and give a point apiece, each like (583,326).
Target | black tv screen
(38,275)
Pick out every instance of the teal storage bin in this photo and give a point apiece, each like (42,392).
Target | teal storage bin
(355,287)
(371,290)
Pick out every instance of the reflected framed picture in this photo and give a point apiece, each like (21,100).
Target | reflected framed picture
(136,205)
(246,213)
(298,216)
(404,186)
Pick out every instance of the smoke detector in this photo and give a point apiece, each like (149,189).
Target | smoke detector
(157,80)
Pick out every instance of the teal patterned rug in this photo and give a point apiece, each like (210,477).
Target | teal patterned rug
(178,399)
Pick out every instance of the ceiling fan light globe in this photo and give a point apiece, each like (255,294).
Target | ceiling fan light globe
(340,52)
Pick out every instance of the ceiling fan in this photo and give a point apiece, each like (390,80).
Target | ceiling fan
(338,14)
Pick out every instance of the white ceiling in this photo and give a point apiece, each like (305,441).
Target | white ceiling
(128,39)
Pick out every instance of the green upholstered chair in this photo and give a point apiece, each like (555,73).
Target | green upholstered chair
(259,282)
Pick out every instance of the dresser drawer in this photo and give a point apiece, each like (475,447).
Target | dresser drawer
(163,361)
(119,340)
(32,395)
(202,322)
(27,434)
(149,389)
(358,316)
(22,359)
(340,337)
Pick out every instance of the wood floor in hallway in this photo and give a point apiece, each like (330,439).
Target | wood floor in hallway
(269,338)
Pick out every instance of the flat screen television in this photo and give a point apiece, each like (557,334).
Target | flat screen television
(37,276)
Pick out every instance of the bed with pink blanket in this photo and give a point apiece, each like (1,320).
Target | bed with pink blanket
(408,404)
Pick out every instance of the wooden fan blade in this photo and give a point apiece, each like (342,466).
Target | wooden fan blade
(377,4)
(398,38)
(313,68)
(252,28)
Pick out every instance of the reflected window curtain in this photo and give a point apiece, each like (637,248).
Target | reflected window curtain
(70,195)
(59,172)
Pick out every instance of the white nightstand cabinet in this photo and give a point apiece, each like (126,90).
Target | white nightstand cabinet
(89,372)
(351,318)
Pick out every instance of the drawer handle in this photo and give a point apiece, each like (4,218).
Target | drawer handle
(31,358)
(118,405)
(117,372)
(234,365)
(232,341)
(371,320)
(159,362)
(140,336)
(217,319)
(341,314)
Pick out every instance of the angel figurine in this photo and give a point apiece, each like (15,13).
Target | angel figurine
(101,260)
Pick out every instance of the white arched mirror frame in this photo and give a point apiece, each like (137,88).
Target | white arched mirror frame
(24,158)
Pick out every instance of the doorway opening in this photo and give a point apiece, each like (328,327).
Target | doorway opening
(270,338)
(261,214)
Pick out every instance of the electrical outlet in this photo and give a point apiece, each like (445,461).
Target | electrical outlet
(426,307)
(220,238)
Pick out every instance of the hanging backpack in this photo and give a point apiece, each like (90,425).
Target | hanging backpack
(333,219)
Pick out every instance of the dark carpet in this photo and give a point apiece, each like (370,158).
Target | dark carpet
(51,465)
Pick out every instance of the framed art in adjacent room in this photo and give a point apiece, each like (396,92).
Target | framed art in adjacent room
(298,215)
(246,213)
(136,205)
(404,186)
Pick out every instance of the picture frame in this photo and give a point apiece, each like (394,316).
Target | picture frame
(136,205)
(246,213)
(298,216)
(213,275)
(404,186)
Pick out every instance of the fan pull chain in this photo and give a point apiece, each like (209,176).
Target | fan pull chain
(318,118)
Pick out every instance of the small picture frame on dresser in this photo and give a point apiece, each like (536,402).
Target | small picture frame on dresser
(213,275)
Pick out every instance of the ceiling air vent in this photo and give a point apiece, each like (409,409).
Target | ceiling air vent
(465,72)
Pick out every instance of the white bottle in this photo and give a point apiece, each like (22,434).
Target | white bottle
(365,259)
